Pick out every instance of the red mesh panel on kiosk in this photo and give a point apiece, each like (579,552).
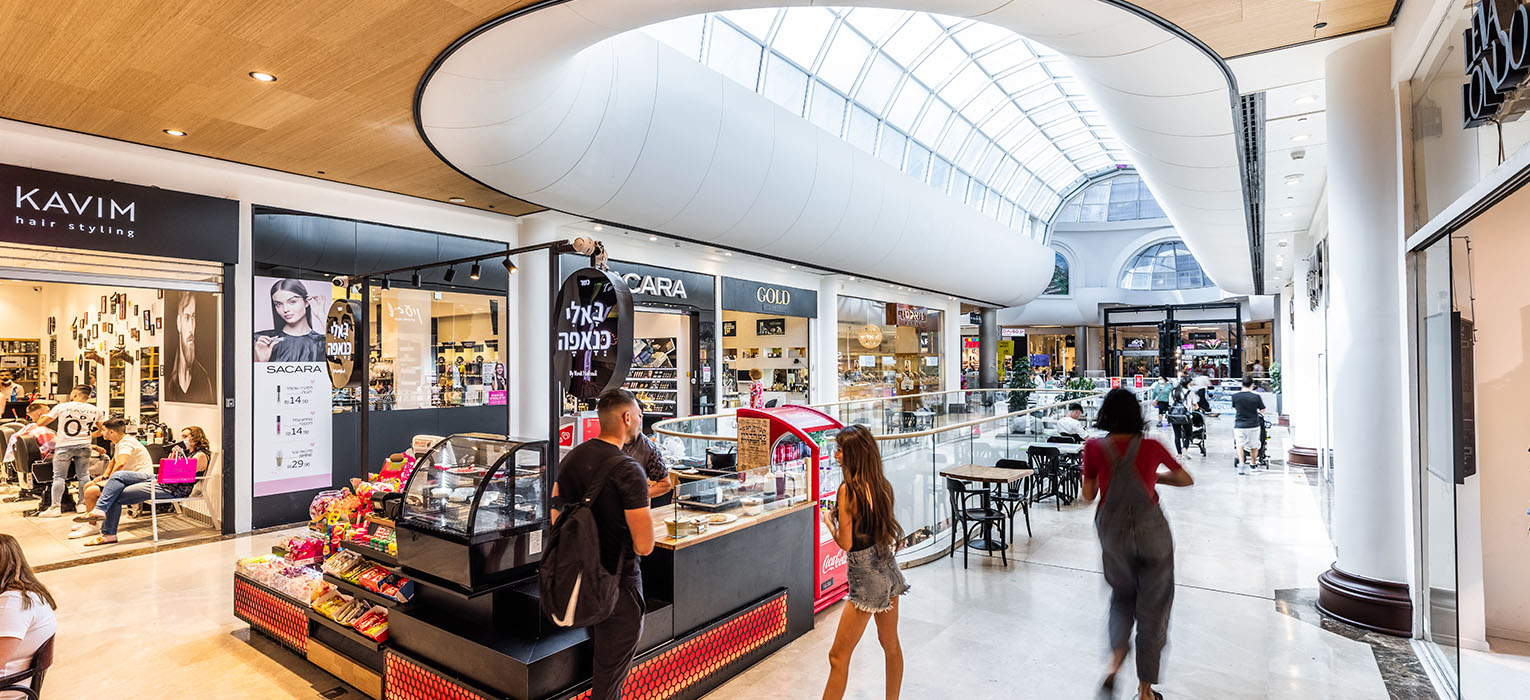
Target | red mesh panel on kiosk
(692,660)
(271,614)
(407,680)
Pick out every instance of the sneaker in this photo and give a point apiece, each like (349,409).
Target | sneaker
(84,531)
(53,512)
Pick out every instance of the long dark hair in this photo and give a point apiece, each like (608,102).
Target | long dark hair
(1120,412)
(16,574)
(870,495)
(295,287)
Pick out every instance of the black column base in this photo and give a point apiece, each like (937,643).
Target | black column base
(1379,606)
(1305,457)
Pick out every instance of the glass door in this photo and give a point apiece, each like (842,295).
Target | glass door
(1440,327)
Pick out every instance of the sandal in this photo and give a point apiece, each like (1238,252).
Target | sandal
(99,540)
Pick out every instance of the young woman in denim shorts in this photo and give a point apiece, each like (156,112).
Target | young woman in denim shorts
(865,528)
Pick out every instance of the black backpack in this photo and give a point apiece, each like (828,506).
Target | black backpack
(577,591)
(1179,415)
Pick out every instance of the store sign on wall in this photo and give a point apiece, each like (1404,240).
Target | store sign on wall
(1011,332)
(341,343)
(38,207)
(910,316)
(1497,56)
(760,298)
(594,332)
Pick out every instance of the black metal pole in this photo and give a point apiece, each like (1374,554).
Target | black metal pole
(364,338)
(554,387)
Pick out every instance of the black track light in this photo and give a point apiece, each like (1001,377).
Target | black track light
(387,284)
(510,267)
(475,272)
(451,274)
(414,279)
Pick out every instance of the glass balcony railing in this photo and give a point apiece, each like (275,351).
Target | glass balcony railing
(920,435)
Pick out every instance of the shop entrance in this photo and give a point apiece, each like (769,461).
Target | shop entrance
(150,350)
(1167,340)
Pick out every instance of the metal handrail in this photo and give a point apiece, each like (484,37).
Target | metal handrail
(662,429)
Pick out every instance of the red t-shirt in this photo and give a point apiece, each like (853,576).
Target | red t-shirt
(1151,455)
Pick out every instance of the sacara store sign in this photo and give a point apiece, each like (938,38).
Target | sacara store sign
(593,332)
(1497,54)
(38,207)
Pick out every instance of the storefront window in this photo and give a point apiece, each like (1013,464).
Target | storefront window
(766,328)
(887,349)
(436,349)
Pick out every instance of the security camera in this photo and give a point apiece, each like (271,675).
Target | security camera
(341,281)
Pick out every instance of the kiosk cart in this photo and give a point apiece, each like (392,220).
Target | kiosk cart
(791,438)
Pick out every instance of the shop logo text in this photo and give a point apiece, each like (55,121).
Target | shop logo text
(1497,59)
(71,204)
(657,286)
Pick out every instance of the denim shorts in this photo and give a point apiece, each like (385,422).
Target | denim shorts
(875,579)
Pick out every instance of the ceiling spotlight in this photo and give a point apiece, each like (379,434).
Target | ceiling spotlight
(653,238)
(1299,138)
(456,200)
(1306,100)
(451,274)
(728,253)
(1293,181)
(598,227)
(1283,243)
(263,77)
(1300,119)
(1284,213)
(509,265)
(174,132)
(794,267)
(475,272)
(387,283)
(852,279)
(1319,25)
(414,279)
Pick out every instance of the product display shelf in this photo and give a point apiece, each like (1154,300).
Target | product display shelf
(375,520)
(377,556)
(358,591)
(23,357)
(344,630)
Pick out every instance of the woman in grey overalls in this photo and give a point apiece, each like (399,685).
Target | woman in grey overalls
(1137,547)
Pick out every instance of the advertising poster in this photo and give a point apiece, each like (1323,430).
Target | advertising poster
(495,384)
(292,387)
(191,348)
(414,376)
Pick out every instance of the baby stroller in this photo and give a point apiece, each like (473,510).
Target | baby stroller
(1181,414)
(1262,458)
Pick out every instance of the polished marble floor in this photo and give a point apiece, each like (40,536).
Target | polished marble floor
(160,625)
(46,540)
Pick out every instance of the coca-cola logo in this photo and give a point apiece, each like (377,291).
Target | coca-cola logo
(832,561)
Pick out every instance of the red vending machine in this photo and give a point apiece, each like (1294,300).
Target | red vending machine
(789,438)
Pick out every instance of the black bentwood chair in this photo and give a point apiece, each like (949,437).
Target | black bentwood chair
(970,519)
(1016,495)
(41,660)
(1047,461)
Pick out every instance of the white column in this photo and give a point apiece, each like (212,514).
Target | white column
(1299,368)
(1366,335)
(951,348)
(825,370)
(530,325)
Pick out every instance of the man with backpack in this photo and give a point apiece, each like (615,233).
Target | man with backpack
(601,525)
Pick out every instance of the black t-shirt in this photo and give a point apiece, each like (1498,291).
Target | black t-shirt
(1247,405)
(626,489)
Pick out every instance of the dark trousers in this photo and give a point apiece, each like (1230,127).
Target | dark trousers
(616,641)
(1182,433)
(1139,566)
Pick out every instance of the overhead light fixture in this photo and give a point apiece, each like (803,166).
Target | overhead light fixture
(1299,138)
(1283,243)
(262,77)
(414,279)
(1294,181)
(456,200)
(598,227)
(475,271)
(728,253)
(174,132)
(1287,213)
(451,274)
(794,267)
(852,279)
(653,238)
(1306,100)
(1300,119)
(1319,25)
(510,266)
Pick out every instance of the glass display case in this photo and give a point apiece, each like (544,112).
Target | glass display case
(467,496)
(724,502)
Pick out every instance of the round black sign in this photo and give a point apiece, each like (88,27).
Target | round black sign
(594,333)
(341,343)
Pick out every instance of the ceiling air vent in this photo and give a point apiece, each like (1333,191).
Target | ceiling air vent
(1251,123)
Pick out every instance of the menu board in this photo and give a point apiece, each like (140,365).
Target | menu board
(753,443)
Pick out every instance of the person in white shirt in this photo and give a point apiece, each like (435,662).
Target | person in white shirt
(129,465)
(75,422)
(26,610)
(1073,423)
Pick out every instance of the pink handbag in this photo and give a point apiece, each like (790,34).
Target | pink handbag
(178,470)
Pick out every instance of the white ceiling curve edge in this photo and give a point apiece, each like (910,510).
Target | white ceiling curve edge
(560,108)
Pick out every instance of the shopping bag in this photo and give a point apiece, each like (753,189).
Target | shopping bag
(177,470)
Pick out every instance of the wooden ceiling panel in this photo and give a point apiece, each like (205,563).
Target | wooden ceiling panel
(127,69)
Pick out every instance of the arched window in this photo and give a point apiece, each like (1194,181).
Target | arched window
(1164,266)
(1059,283)
(1120,198)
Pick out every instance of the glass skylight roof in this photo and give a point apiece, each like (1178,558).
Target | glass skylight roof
(974,110)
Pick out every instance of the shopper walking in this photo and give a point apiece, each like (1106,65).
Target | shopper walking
(862,524)
(1179,416)
(599,470)
(756,388)
(1160,393)
(1248,421)
(1138,549)
(26,611)
(76,420)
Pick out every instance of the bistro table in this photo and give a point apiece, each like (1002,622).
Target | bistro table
(988,476)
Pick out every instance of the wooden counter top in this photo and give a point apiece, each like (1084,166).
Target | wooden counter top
(662,539)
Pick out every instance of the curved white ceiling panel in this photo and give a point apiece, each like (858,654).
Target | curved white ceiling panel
(559,106)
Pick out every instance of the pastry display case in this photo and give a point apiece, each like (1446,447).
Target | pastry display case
(475,509)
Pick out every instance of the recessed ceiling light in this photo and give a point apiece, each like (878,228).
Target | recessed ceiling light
(1301,119)
(598,227)
(1306,100)
(1283,243)
(852,279)
(456,200)
(1319,25)
(794,267)
(1293,181)
(1298,138)
(1287,213)
(728,253)
(263,77)
(174,132)
(653,238)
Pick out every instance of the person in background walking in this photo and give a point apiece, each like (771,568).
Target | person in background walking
(1138,548)
(1160,392)
(756,388)
(863,525)
(1248,421)
(1202,387)
(1179,415)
